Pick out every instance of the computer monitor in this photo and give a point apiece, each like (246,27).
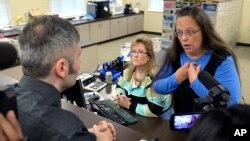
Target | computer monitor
(75,94)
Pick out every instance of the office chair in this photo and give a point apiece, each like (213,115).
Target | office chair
(8,55)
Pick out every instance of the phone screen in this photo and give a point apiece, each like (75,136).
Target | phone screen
(183,122)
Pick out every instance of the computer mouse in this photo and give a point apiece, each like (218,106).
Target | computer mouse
(95,96)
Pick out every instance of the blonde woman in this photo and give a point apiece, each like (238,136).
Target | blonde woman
(134,90)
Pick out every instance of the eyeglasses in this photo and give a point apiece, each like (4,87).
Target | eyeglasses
(139,53)
(187,33)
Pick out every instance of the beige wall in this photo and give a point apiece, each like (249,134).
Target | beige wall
(20,7)
(152,20)
(244,33)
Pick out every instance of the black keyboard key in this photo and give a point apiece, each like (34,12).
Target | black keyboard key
(108,109)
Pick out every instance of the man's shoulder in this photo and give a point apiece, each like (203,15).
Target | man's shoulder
(51,120)
(41,116)
(42,111)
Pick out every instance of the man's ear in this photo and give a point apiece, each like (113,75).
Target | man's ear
(61,67)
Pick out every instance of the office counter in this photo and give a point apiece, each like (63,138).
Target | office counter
(145,127)
(89,119)
(152,127)
(5,80)
(157,127)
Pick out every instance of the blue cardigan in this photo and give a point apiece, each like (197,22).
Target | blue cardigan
(226,74)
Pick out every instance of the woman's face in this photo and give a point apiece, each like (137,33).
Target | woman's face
(139,56)
(189,35)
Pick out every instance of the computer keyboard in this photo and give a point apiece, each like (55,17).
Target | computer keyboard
(110,110)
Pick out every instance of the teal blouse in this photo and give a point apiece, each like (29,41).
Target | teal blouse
(144,100)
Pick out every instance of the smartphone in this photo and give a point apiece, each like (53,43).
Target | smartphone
(7,100)
(183,121)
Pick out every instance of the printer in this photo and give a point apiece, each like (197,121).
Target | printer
(98,9)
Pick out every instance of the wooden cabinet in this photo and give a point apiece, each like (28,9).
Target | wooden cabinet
(100,31)
(83,30)
(135,23)
(118,27)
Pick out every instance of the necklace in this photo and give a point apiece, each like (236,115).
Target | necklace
(138,80)
(140,75)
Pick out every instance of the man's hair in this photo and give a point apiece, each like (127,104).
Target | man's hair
(152,66)
(44,40)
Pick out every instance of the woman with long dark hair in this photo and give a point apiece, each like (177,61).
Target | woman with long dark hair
(196,46)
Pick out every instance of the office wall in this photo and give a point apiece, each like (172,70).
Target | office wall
(20,7)
(244,33)
(152,20)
